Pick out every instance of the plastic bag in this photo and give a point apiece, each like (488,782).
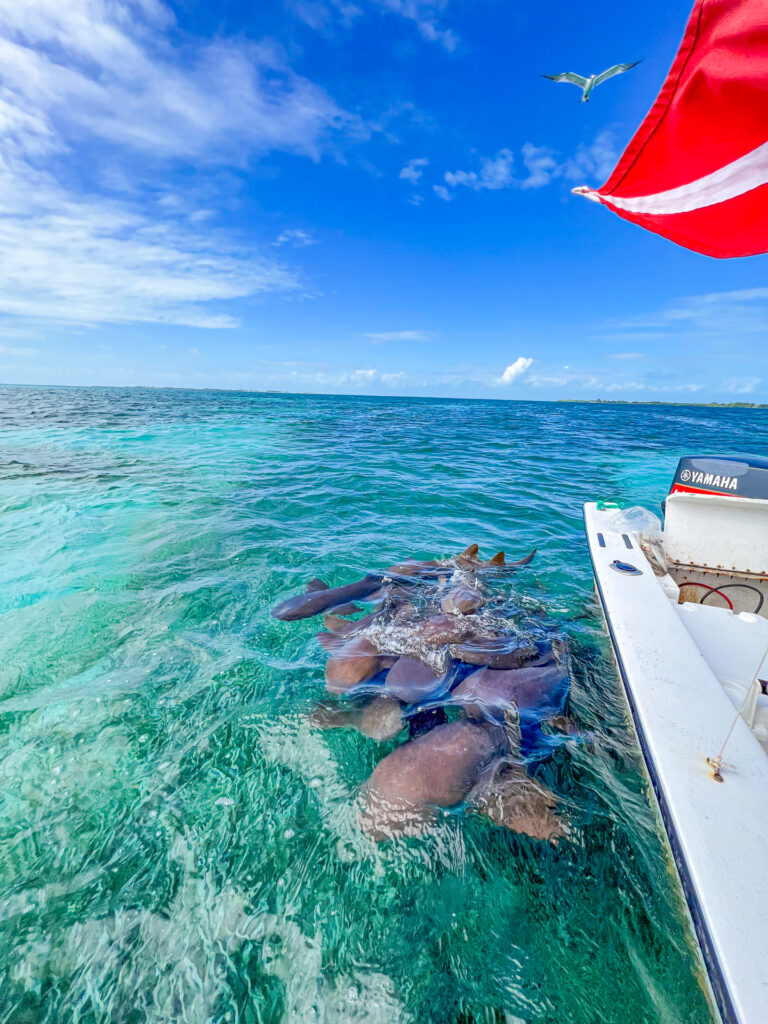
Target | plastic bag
(647,527)
(636,520)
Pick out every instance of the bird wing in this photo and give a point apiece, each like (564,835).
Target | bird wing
(568,76)
(617,69)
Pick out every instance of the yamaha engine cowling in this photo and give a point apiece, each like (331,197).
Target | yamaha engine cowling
(716,515)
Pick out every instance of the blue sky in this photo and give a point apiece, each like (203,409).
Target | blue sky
(348,196)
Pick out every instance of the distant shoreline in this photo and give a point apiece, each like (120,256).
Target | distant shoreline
(389,397)
(695,405)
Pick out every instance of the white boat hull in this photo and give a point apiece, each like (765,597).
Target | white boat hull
(718,831)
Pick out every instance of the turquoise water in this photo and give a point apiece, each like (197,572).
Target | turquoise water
(178,843)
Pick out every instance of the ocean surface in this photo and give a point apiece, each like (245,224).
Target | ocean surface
(178,843)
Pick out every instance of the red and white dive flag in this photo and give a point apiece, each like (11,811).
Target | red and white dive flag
(696,171)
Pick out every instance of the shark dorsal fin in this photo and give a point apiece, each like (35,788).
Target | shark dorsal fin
(345,609)
(316,584)
(470,552)
(498,559)
(334,623)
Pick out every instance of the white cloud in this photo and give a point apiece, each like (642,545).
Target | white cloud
(425,14)
(85,82)
(19,352)
(182,367)
(495,173)
(742,295)
(360,378)
(589,162)
(715,316)
(594,162)
(416,200)
(742,386)
(413,170)
(515,370)
(547,382)
(600,382)
(643,385)
(744,311)
(198,216)
(397,336)
(296,238)
(318,13)
(542,164)
(443,193)
(626,385)
(105,67)
(93,260)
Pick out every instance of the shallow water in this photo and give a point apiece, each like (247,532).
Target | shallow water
(177,843)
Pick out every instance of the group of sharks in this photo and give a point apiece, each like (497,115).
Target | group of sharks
(435,654)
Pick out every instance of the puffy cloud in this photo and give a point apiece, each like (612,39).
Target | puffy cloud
(515,370)
(541,163)
(413,170)
(495,173)
(594,161)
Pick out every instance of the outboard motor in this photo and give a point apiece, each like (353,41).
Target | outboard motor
(716,519)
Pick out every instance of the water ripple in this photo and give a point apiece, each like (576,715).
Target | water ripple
(178,843)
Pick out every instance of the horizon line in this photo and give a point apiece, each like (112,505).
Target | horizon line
(427,398)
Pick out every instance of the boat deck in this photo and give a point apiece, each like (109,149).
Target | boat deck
(735,646)
(718,831)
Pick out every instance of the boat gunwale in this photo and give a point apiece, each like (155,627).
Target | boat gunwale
(718,983)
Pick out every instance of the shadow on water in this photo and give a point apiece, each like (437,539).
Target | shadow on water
(179,843)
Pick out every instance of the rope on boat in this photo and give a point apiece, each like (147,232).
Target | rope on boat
(717,762)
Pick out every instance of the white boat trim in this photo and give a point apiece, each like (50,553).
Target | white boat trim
(718,833)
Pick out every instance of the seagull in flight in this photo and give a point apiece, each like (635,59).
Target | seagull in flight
(588,84)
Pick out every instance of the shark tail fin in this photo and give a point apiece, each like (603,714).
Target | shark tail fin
(527,560)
